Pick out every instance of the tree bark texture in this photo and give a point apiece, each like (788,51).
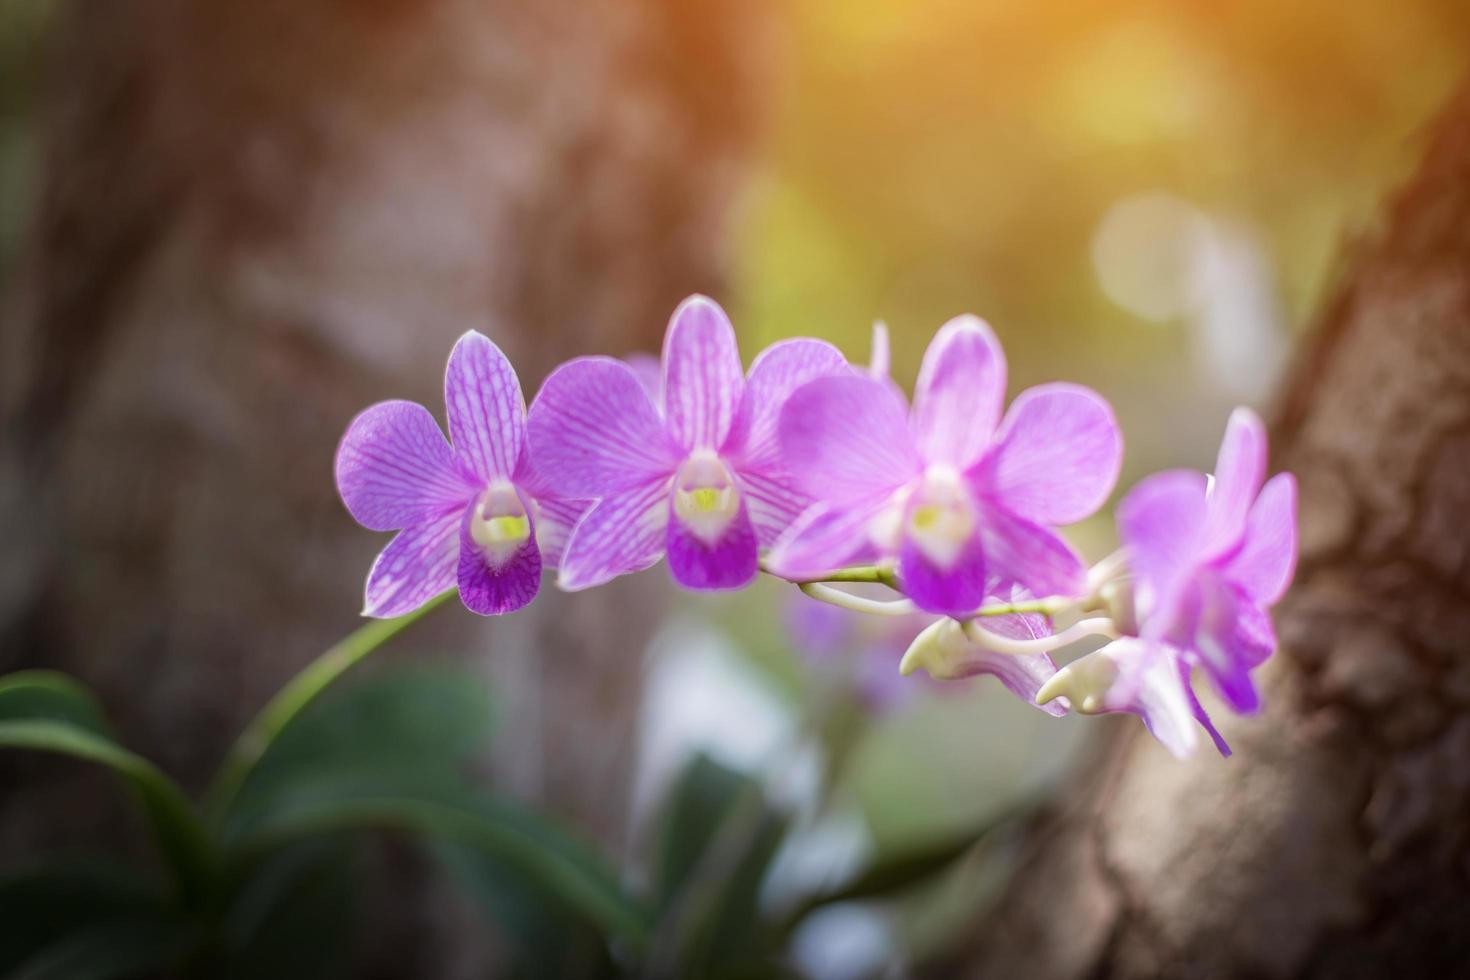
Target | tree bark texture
(258,218)
(1336,843)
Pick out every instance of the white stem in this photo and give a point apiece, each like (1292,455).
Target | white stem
(1099,574)
(1097,626)
(836,597)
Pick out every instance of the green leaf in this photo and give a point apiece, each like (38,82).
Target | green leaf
(74,920)
(499,831)
(544,935)
(47,695)
(410,732)
(176,828)
(292,917)
(718,841)
(892,874)
(697,805)
(113,952)
(394,754)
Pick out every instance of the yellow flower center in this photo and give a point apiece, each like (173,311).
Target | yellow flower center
(705,497)
(941,518)
(500,524)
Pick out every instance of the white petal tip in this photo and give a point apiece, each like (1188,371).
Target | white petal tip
(696,301)
(1056,686)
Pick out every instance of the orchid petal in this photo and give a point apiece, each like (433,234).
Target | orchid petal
(1238,473)
(952,591)
(1227,646)
(593,431)
(555,516)
(650,373)
(778,371)
(959,393)
(1017,626)
(1022,676)
(619,535)
(1264,564)
(963,657)
(845,440)
(418,564)
(1021,552)
(728,563)
(395,470)
(1151,686)
(1201,716)
(495,588)
(1160,522)
(774,503)
(1256,636)
(487,413)
(822,539)
(1057,455)
(703,380)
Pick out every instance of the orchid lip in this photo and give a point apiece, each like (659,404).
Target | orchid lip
(706,499)
(500,524)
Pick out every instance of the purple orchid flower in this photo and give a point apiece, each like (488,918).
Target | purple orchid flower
(958,496)
(690,468)
(877,644)
(475,514)
(1208,558)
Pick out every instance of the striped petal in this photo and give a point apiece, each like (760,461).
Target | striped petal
(1057,455)
(394,468)
(621,534)
(594,432)
(774,504)
(703,380)
(959,393)
(1238,474)
(822,539)
(845,441)
(487,413)
(418,564)
(1020,552)
(1264,565)
(780,369)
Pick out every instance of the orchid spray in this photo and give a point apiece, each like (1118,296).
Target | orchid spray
(818,472)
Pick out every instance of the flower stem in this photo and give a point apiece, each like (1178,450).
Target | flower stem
(873,574)
(1049,606)
(292,699)
(1098,626)
(857,603)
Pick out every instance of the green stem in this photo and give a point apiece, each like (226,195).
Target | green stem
(290,700)
(874,574)
(1049,606)
(884,575)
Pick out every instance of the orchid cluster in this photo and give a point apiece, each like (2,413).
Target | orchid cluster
(819,472)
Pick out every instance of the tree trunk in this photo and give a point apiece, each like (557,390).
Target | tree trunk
(1336,843)
(255,220)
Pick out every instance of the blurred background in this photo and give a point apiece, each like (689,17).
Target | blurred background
(225,228)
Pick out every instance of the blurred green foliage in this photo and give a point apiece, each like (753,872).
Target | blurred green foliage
(22,29)
(274,890)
